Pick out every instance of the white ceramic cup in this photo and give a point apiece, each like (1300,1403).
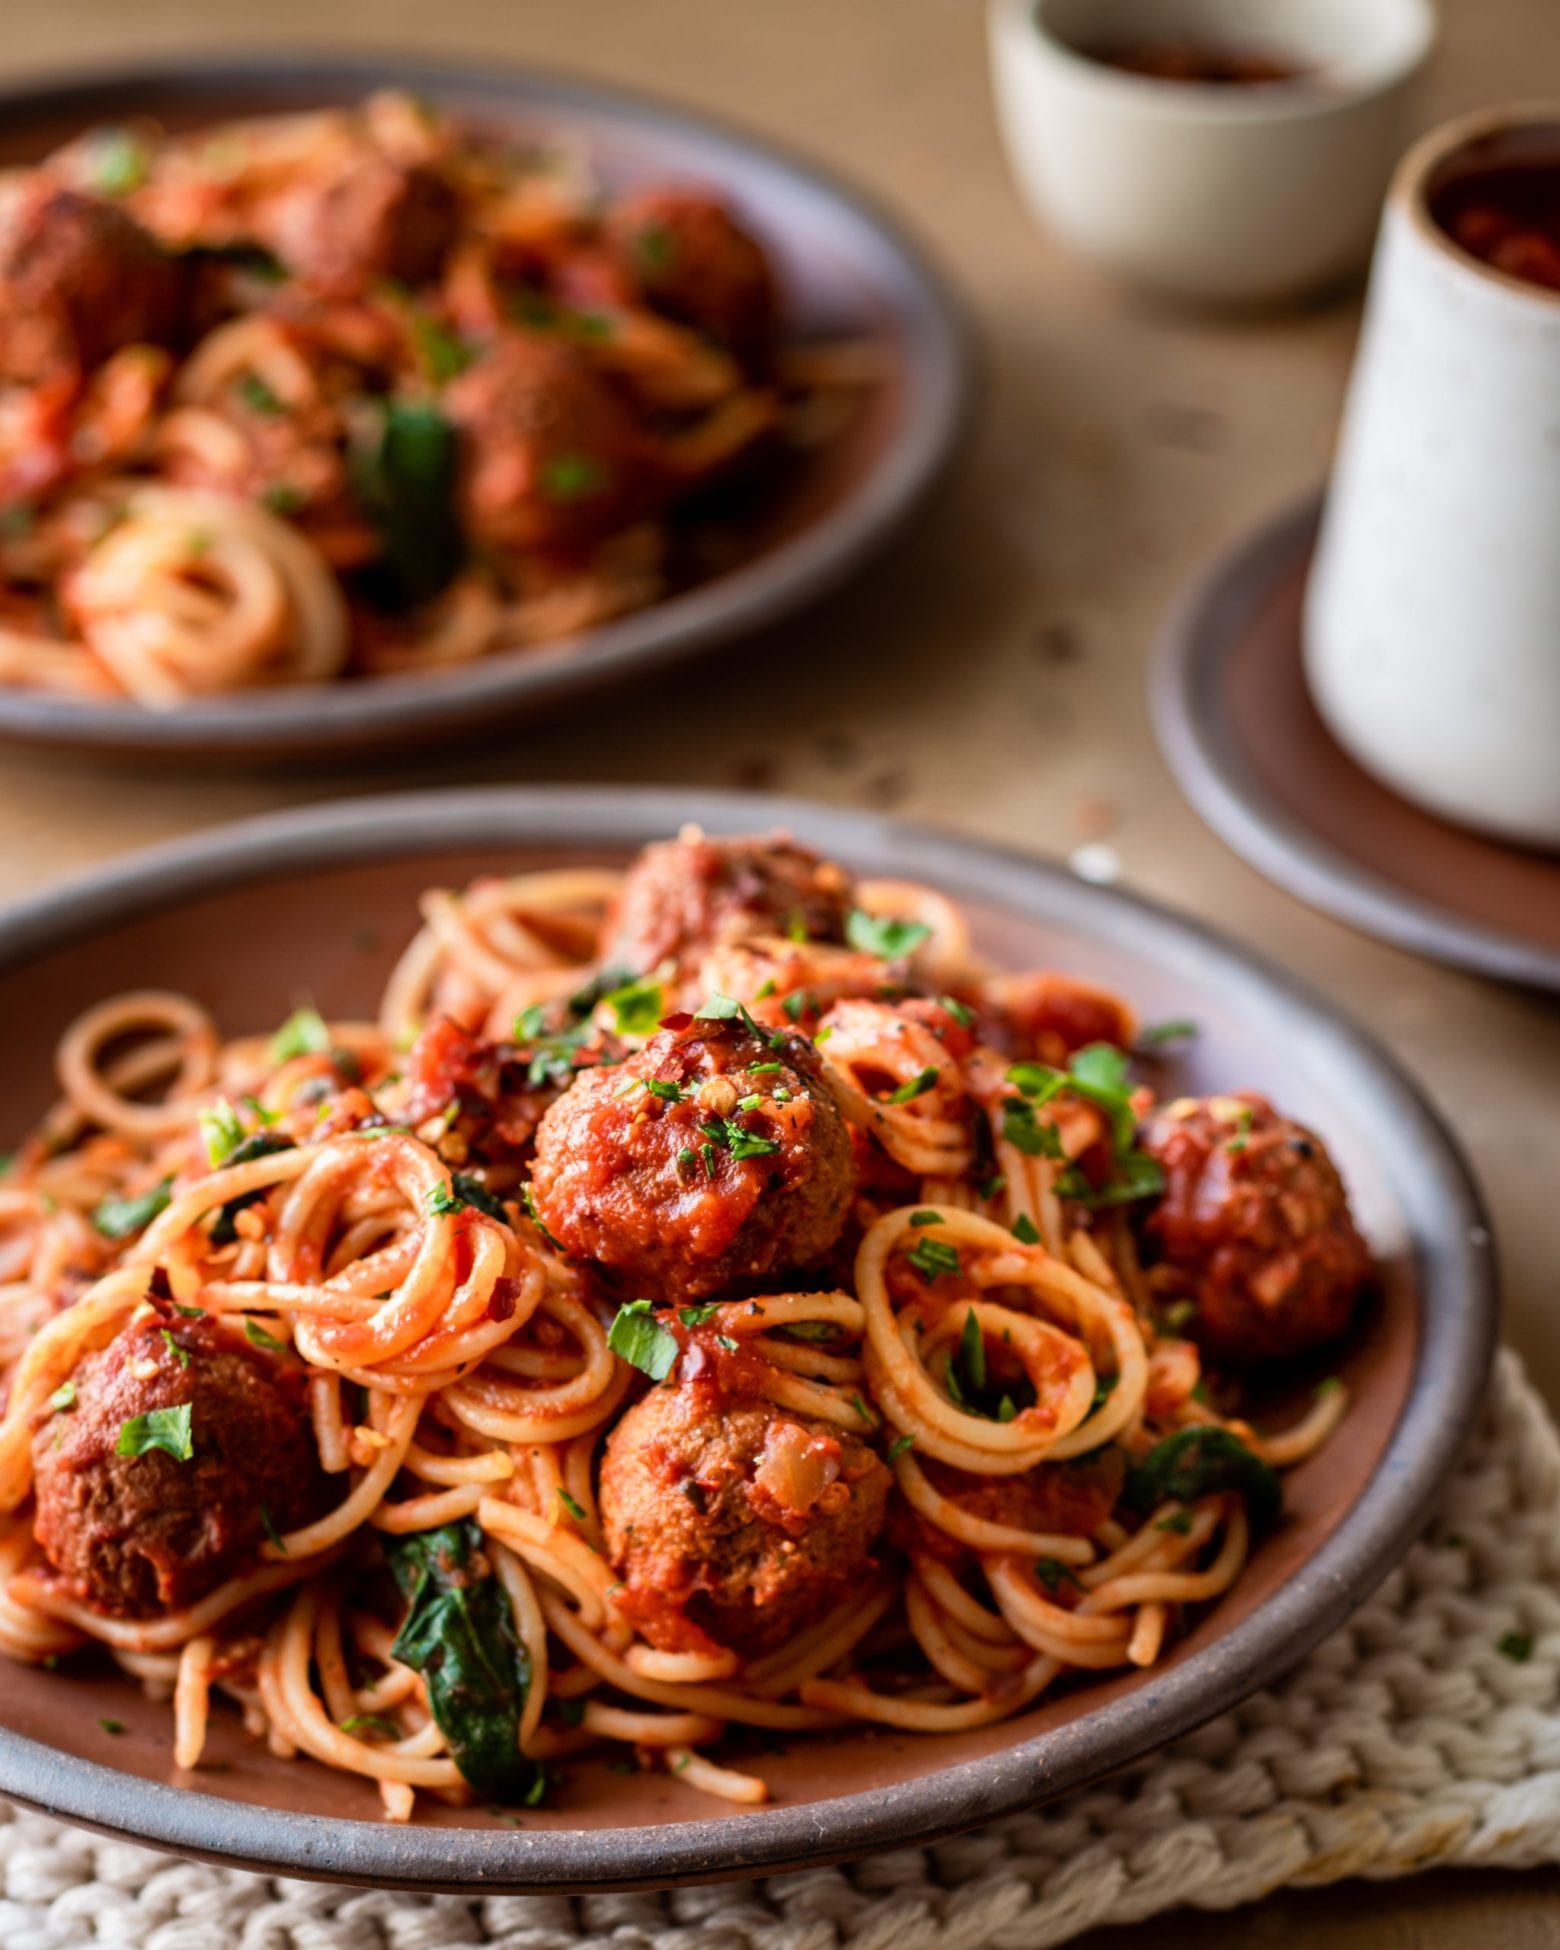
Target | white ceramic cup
(1231,195)
(1432,626)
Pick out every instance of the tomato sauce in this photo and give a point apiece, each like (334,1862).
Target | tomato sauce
(1202,64)
(1507,217)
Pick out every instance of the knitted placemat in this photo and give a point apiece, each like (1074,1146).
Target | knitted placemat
(1425,1733)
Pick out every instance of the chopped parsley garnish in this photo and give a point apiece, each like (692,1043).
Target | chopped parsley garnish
(1180,1521)
(664,1089)
(926,1218)
(117,1218)
(638,1338)
(571,1504)
(272,1534)
(1098,1073)
(899,1446)
(637,1007)
(1155,1035)
(528,1205)
(222,1130)
(687,1158)
(1053,1573)
(167,1429)
(861,1409)
(697,1316)
(256,1335)
(811,1330)
(63,1397)
(573,477)
(961,1012)
(797,1004)
(1515,1646)
(930,1257)
(118,162)
(305,1033)
(257,395)
(280,499)
(112,1726)
(884,936)
(444,1199)
(444,356)
(371,1723)
(180,1354)
(972,1354)
(1025,1230)
(1243,1123)
(1024,1131)
(730,1136)
(654,247)
(917,1086)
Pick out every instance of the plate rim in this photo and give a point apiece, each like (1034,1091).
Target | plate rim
(409,709)
(1210,765)
(1452,1244)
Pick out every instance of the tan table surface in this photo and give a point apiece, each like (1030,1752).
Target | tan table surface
(988,676)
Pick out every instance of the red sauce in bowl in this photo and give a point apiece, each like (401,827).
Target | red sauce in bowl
(1201,64)
(1508,216)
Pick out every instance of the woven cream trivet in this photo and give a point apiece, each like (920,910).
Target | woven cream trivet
(1410,1739)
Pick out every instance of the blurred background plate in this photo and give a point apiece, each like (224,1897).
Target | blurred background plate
(846,272)
(1244,740)
(249,916)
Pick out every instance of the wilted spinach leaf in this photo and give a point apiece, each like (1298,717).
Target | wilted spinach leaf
(1201,1462)
(459,1633)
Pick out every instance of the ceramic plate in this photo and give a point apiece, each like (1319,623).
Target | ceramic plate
(848,273)
(1241,735)
(249,917)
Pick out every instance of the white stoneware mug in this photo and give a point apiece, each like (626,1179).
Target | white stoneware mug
(1226,195)
(1432,627)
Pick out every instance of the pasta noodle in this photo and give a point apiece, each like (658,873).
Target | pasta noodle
(344,1204)
(368,391)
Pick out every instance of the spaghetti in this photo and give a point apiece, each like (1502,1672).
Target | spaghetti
(368,390)
(627,1360)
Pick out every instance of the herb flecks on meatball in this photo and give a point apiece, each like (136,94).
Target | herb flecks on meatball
(1254,1229)
(712,1158)
(135,1529)
(736,1522)
(684,897)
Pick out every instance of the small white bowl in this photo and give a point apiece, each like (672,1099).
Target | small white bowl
(1432,626)
(1220,194)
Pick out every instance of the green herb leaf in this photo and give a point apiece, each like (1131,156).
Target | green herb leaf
(371,1723)
(882,935)
(636,1336)
(917,1086)
(972,1354)
(696,1316)
(258,1144)
(272,1534)
(528,1203)
(256,1335)
(117,163)
(1203,1461)
(567,478)
(305,1033)
(443,1200)
(258,396)
(167,1429)
(1025,1230)
(571,1504)
(459,1633)
(63,1397)
(930,1257)
(961,1012)
(443,355)
(405,484)
(222,1129)
(1515,1646)
(180,1354)
(637,1007)
(117,1218)
(1155,1035)
(664,1090)
(1052,1573)
(900,1445)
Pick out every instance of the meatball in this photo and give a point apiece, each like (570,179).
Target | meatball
(683,897)
(551,456)
(708,1160)
(1254,1229)
(693,261)
(138,1535)
(736,1522)
(373,219)
(79,278)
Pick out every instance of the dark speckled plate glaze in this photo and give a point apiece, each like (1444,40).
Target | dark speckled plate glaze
(250,916)
(1242,736)
(848,272)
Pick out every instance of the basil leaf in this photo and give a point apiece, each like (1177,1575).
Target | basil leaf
(637,1007)
(305,1033)
(636,1336)
(459,1633)
(167,1429)
(1203,1461)
(117,1218)
(259,1144)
